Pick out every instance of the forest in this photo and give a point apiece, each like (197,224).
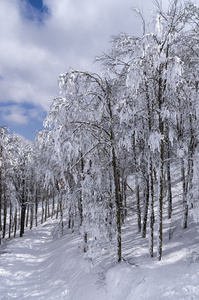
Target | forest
(111,140)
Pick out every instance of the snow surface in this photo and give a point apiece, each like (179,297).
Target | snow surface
(42,265)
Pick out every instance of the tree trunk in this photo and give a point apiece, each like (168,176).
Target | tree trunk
(123,198)
(23,209)
(23,215)
(139,222)
(184,200)
(168,166)
(62,218)
(71,218)
(31,215)
(169,190)
(36,206)
(42,210)
(146,208)
(138,208)
(15,222)
(81,206)
(10,220)
(85,242)
(46,206)
(53,205)
(118,207)
(4,215)
(57,211)
(161,89)
(151,209)
(160,202)
(27,214)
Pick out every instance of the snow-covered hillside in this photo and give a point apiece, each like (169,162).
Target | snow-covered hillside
(42,265)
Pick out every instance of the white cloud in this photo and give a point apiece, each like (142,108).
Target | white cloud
(20,115)
(33,54)
(14,114)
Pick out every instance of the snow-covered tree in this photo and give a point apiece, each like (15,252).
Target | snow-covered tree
(155,71)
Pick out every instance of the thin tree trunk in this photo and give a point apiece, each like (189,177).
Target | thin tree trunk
(4,215)
(27,214)
(61,212)
(57,211)
(23,209)
(81,207)
(188,182)
(85,242)
(42,210)
(31,215)
(15,222)
(36,206)
(118,208)
(160,202)
(146,208)
(46,206)
(138,208)
(184,188)
(53,205)
(48,215)
(168,166)
(69,218)
(161,89)
(151,209)
(125,197)
(23,214)
(10,220)
(169,190)
(139,221)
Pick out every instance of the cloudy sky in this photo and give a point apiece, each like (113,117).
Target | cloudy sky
(41,39)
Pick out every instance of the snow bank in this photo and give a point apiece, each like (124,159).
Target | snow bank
(162,281)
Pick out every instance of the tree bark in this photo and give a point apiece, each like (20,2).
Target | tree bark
(10,220)
(118,206)
(4,215)
(151,209)
(161,89)
(15,222)
(138,207)
(31,215)
(27,214)
(23,209)
(168,167)
(146,208)
(36,206)
(160,201)
(23,214)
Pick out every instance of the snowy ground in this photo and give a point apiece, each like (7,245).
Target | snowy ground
(42,266)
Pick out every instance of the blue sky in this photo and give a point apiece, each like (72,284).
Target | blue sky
(41,39)
(38,4)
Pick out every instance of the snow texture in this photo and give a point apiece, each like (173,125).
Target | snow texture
(42,265)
